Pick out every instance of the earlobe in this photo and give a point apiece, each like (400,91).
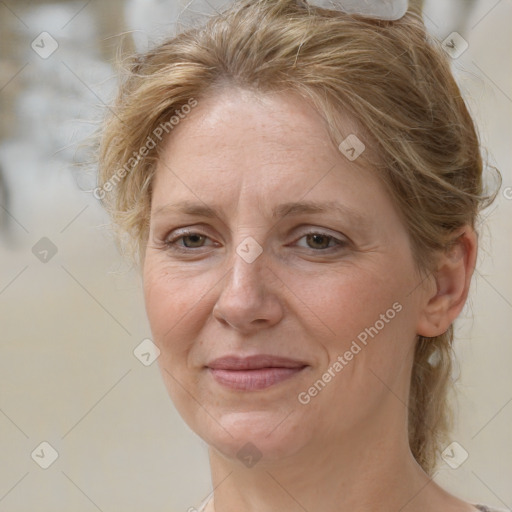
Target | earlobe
(452,278)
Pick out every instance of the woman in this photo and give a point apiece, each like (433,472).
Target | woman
(301,187)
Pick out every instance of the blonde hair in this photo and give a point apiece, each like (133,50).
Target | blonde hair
(390,77)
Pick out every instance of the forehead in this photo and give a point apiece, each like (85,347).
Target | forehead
(235,122)
(267,146)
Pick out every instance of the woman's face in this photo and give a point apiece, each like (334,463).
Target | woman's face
(265,239)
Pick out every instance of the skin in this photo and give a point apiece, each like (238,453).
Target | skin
(347,449)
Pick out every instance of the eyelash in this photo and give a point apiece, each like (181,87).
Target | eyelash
(171,243)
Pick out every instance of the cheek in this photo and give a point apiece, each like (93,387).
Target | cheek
(374,349)
(369,321)
(345,302)
(173,305)
(375,324)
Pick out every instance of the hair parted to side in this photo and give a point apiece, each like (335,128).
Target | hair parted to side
(391,78)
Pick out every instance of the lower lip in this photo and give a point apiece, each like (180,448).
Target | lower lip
(249,380)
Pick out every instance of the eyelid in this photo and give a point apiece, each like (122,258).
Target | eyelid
(321,231)
(192,231)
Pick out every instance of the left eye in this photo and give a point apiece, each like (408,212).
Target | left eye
(320,241)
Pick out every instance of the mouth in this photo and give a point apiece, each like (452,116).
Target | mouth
(254,372)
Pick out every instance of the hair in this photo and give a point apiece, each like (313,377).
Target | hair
(391,77)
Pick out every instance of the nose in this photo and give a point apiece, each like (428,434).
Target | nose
(249,298)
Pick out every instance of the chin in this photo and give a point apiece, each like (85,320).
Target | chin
(257,434)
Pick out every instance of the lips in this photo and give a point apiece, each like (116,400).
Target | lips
(254,362)
(254,372)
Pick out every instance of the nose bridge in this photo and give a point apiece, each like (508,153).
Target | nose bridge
(249,227)
(247,262)
(247,297)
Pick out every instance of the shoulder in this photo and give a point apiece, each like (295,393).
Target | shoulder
(488,508)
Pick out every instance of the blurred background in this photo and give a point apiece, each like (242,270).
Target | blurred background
(85,422)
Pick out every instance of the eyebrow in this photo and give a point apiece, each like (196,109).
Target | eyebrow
(286,209)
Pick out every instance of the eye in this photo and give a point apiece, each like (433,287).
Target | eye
(321,241)
(190,239)
(187,241)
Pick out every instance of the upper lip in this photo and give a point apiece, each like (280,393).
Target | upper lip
(255,362)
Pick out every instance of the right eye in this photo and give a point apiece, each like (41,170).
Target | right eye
(191,240)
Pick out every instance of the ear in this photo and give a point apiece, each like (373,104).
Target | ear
(452,278)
